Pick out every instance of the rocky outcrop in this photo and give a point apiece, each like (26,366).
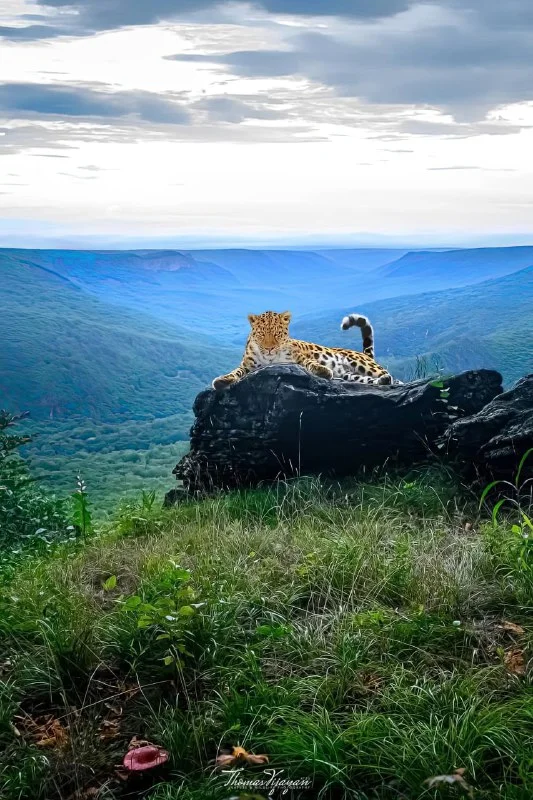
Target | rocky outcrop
(496,438)
(281,421)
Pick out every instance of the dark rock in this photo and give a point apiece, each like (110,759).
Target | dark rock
(175,496)
(496,438)
(281,421)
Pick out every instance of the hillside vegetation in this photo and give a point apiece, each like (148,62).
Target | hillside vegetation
(369,640)
(117,460)
(65,353)
(109,390)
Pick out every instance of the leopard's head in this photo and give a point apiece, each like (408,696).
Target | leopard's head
(270,330)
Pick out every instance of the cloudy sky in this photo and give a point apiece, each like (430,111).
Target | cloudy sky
(168,121)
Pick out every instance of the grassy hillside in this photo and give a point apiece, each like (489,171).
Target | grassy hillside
(486,325)
(366,640)
(65,352)
(98,379)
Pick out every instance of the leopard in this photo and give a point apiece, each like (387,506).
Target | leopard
(269,342)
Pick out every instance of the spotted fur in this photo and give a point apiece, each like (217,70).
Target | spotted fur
(269,342)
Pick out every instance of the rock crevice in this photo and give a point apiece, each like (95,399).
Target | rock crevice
(496,438)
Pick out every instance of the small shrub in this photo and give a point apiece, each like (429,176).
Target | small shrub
(153,628)
(27,515)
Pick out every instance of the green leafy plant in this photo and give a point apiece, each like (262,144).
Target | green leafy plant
(81,513)
(110,584)
(166,618)
(148,499)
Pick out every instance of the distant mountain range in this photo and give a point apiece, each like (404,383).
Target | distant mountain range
(214,290)
(456,267)
(107,349)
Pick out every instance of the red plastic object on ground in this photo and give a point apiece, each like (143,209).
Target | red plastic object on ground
(147,757)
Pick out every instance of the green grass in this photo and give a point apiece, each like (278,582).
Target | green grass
(355,634)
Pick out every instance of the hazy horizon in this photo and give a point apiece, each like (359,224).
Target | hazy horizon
(317,242)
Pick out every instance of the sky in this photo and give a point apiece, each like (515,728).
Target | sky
(190,122)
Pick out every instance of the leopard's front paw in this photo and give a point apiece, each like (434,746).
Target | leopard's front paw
(222,382)
(322,372)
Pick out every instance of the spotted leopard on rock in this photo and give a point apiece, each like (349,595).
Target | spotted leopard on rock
(269,342)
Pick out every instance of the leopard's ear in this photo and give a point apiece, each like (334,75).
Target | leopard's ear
(286,316)
(251,318)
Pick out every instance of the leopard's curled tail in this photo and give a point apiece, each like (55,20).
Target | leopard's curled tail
(367,331)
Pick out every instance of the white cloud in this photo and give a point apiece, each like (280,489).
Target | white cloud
(254,152)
